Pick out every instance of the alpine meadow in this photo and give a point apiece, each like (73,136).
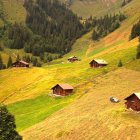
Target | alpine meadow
(69,69)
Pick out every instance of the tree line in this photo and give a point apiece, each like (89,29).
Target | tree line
(56,26)
(106,24)
(30,59)
(49,32)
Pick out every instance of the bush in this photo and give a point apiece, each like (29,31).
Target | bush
(120,64)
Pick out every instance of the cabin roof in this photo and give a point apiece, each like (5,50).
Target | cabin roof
(21,61)
(24,62)
(72,57)
(136,94)
(64,86)
(99,61)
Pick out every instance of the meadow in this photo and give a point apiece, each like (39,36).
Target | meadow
(39,116)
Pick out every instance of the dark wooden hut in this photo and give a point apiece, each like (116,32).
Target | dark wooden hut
(20,64)
(133,102)
(73,59)
(62,89)
(98,63)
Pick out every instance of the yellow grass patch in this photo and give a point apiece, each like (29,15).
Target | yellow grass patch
(93,116)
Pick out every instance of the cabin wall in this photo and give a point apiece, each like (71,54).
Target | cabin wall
(133,103)
(94,64)
(18,64)
(72,59)
(59,91)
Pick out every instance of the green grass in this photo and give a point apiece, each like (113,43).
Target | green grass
(14,10)
(134,65)
(30,103)
(33,111)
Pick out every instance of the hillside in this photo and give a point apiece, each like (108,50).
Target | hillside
(88,113)
(93,116)
(87,8)
(14,10)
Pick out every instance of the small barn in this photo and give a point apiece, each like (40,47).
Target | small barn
(133,102)
(73,59)
(20,64)
(98,63)
(62,89)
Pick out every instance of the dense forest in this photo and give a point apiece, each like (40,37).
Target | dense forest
(49,32)
(56,25)
(105,25)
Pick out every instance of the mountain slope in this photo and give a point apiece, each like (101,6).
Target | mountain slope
(93,116)
(14,10)
(86,8)
(88,113)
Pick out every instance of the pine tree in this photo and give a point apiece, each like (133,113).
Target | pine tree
(9,63)
(1,63)
(138,52)
(95,35)
(120,64)
(1,48)
(7,125)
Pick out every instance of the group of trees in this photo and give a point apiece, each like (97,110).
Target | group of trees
(105,25)
(9,63)
(135,32)
(56,26)
(30,59)
(7,125)
(50,30)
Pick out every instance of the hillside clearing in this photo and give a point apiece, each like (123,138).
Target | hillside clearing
(92,114)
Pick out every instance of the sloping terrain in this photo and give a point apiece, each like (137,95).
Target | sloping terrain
(87,8)
(93,116)
(14,10)
(87,114)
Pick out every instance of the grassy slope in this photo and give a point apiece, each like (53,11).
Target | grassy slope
(34,84)
(14,10)
(86,8)
(93,116)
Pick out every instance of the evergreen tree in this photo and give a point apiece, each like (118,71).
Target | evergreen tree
(34,61)
(135,32)
(120,64)
(1,48)
(138,52)
(9,63)
(1,63)
(95,35)
(7,125)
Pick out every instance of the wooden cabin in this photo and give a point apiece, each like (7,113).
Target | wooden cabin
(98,63)
(20,64)
(73,59)
(62,89)
(133,102)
